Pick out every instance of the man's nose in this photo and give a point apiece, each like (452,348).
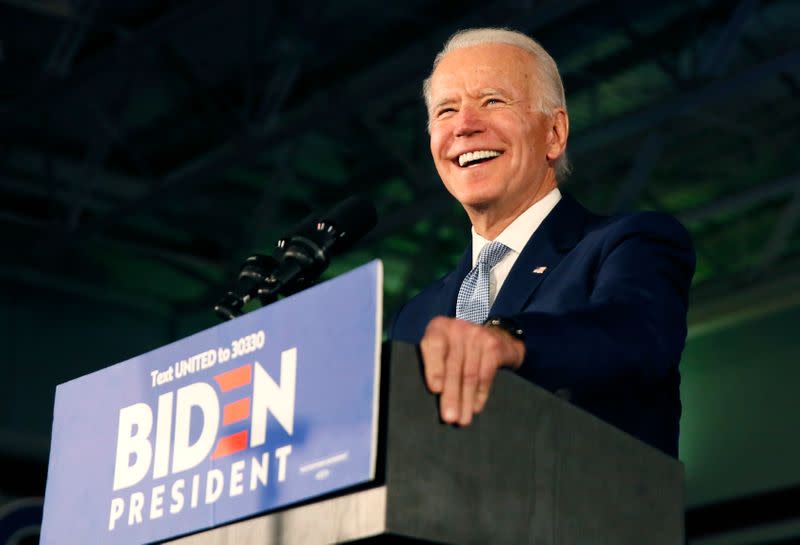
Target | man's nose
(470,121)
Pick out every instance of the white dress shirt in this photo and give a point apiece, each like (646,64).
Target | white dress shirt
(515,236)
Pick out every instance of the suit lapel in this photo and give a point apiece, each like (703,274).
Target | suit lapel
(561,230)
(446,301)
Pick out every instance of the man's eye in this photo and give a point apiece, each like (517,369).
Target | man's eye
(493,101)
(445,111)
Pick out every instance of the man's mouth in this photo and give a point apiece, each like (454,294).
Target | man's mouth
(474,157)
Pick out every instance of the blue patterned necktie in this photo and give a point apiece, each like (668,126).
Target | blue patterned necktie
(473,297)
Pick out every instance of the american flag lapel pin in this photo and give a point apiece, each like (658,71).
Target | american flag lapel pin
(539,270)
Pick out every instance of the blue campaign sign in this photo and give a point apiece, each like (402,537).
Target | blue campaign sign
(273,408)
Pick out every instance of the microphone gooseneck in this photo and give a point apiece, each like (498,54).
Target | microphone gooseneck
(301,257)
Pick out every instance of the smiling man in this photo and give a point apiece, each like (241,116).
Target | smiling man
(590,307)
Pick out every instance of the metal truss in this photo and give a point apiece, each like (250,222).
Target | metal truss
(286,90)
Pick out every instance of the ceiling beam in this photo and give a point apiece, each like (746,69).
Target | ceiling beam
(46,91)
(63,195)
(744,83)
(38,279)
(254,138)
(709,313)
(739,202)
(52,8)
(719,58)
(646,159)
(70,39)
(715,62)
(782,232)
(64,169)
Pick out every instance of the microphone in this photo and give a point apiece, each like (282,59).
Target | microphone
(301,257)
(305,255)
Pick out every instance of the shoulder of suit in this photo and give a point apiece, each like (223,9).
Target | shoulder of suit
(645,230)
(649,223)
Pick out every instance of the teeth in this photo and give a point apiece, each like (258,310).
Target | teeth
(471,156)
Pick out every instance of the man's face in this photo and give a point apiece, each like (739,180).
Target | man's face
(489,140)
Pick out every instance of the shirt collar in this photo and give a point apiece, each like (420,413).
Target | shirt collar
(517,234)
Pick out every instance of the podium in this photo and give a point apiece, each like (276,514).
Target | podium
(291,425)
(532,468)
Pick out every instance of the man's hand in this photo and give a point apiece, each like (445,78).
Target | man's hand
(461,360)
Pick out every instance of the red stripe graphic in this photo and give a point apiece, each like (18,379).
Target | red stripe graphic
(235,378)
(236,411)
(230,444)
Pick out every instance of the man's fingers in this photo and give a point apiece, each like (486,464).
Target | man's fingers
(461,361)
(494,353)
(434,348)
(450,402)
(469,379)
(486,374)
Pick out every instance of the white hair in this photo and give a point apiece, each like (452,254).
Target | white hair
(551,88)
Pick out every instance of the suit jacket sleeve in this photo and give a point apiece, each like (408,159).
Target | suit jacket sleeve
(631,328)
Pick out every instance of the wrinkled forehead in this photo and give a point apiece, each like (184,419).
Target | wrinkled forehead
(474,68)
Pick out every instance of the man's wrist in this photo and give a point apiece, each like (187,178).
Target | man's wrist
(510,327)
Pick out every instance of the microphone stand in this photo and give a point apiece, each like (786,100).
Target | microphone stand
(255,270)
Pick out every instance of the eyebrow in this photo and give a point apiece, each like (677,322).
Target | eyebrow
(487,91)
(442,102)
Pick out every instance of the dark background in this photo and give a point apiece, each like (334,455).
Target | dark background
(147,147)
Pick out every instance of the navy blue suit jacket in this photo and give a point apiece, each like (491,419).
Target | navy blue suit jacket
(605,323)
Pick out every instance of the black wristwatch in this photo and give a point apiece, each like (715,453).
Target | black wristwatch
(506,324)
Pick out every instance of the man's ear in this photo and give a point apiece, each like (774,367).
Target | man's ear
(558,134)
